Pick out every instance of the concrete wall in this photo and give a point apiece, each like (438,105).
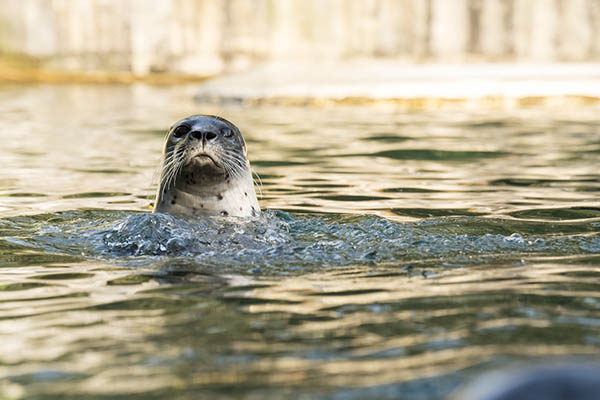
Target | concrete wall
(206,37)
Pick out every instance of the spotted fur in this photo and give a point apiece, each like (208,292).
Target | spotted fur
(205,170)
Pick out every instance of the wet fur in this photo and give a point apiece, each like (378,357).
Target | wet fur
(203,176)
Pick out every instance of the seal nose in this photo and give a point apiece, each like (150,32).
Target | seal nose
(203,135)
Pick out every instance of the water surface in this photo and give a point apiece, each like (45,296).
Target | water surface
(400,255)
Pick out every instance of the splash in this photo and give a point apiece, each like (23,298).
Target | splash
(286,241)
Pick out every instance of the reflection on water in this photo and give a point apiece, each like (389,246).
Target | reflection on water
(402,253)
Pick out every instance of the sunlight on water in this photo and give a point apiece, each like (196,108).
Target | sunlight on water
(400,254)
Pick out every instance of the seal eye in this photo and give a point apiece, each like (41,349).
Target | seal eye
(180,131)
(227,132)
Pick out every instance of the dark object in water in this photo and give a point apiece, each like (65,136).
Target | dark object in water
(558,382)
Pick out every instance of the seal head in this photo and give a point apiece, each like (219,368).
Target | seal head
(205,170)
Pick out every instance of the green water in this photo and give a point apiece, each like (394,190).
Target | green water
(401,254)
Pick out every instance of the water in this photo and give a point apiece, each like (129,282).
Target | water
(401,254)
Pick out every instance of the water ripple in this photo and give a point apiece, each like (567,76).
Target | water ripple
(289,241)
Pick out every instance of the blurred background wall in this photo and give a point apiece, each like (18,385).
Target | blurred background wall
(209,37)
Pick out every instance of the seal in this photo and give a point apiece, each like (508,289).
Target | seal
(205,170)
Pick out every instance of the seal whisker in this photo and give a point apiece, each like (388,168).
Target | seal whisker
(235,166)
(239,160)
(243,165)
(205,171)
(258,184)
(172,166)
(169,165)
